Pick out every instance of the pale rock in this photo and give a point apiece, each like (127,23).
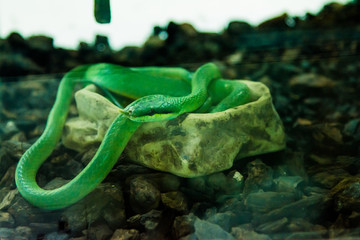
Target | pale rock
(188,146)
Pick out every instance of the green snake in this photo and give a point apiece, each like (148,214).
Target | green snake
(159,93)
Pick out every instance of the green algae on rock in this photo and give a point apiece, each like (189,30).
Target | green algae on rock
(188,146)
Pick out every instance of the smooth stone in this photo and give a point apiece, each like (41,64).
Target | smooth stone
(304,207)
(190,145)
(207,230)
(6,220)
(23,232)
(243,232)
(226,220)
(272,227)
(260,177)
(7,233)
(183,226)
(175,200)
(263,202)
(288,183)
(346,194)
(24,213)
(99,232)
(43,228)
(150,220)
(122,234)
(144,196)
(56,236)
(105,202)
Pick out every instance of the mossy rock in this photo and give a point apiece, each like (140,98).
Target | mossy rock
(191,145)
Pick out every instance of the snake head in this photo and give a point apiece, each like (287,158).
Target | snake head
(151,108)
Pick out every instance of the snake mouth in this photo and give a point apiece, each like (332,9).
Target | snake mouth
(126,113)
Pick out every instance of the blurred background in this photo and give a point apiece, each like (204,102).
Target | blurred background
(70,22)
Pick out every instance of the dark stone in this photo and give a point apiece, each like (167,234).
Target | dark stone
(278,23)
(352,129)
(299,224)
(245,232)
(206,230)
(96,206)
(346,194)
(125,234)
(41,43)
(43,228)
(144,196)
(23,232)
(304,235)
(289,184)
(99,232)
(260,177)
(17,42)
(56,236)
(262,202)
(226,220)
(300,208)
(6,220)
(183,226)
(272,227)
(24,213)
(25,125)
(163,181)
(175,200)
(5,161)
(7,233)
(330,177)
(149,221)
(238,28)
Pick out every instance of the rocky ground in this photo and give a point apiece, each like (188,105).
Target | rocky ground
(311,190)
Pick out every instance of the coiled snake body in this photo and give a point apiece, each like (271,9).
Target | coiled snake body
(176,90)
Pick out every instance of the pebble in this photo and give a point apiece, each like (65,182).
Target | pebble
(260,177)
(43,228)
(183,226)
(6,220)
(144,196)
(352,129)
(272,227)
(346,194)
(125,234)
(304,235)
(8,199)
(175,200)
(263,202)
(23,233)
(312,81)
(149,220)
(98,232)
(56,236)
(206,230)
(7,233)
(295,209)
(226,220)
(10,129)
(245,232)
(105,198)
(289,183)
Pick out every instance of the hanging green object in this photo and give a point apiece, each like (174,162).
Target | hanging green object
(102,11)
